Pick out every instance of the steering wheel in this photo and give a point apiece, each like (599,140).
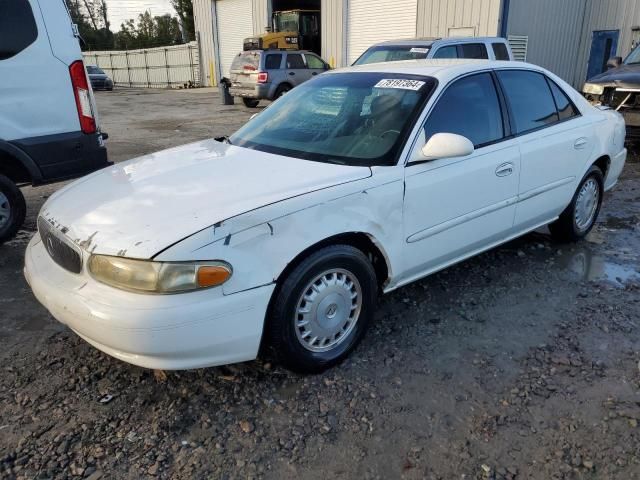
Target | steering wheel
(397,132)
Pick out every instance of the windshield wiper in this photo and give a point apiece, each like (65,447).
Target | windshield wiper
(223,139)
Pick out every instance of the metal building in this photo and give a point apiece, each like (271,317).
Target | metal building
(570,37)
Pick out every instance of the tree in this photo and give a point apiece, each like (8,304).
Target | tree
(184,9)
(148,32)
(93,23)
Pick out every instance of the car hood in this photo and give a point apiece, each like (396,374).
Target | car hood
(625,76)
(139,207)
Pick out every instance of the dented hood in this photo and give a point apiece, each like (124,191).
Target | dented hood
(625,76)
(139,207)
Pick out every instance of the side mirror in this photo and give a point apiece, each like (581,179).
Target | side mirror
(614,62)
(445,145)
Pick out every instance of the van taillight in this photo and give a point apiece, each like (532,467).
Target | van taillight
(263,77)
(83,100)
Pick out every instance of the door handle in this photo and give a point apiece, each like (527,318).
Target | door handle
(580,143)
(504,169)
(292,73)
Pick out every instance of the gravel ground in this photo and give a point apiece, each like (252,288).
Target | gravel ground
(520,363)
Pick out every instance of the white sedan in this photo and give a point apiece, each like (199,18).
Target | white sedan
(282,235)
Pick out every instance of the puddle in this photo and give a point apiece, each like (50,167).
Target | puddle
(587,266)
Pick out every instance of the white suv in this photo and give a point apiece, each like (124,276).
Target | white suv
(48,125)
(489,48)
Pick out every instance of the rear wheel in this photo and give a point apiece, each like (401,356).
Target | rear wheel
(580,216)
(250,102)
(12,209)
(322,309)
(282,89)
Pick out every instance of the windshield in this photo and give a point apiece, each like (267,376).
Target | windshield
(358,119)
(634,57)
(286,21)
(92,69)
(388,53)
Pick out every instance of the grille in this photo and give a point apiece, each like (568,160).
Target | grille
(67,256)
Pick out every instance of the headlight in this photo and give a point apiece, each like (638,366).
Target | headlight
(157,277)
(593,88)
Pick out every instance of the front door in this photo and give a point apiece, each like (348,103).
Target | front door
(457,206)
(604,45)
(297,71)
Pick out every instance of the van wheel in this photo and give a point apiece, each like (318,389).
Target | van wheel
(580,216)
(13,209)
(322,309)
(282,89)
(250,102)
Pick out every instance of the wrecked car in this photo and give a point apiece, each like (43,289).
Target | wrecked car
(281,236)
(619,89)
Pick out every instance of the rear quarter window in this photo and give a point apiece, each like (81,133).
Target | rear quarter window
(500,51)
(18,27)
(273,61)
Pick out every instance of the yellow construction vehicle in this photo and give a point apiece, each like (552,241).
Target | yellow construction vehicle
(289,30)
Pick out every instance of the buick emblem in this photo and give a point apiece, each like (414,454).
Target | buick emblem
(49,245)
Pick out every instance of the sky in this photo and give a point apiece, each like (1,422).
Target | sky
(121,10)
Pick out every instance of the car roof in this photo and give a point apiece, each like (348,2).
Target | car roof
(441,69)
(428,41)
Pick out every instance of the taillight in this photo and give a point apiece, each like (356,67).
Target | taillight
(83,101)
(263,77)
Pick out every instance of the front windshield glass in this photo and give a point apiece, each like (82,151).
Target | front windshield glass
(359,118)
(634,57)
(287,21)
(389,53)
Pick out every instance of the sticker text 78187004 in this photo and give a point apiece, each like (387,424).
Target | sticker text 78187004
(404,84)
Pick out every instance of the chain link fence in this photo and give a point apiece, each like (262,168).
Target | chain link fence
(160,67)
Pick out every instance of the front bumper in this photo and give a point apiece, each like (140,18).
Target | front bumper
(170,332)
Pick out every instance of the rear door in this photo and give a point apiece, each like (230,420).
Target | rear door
(36,95)
(297,71)
(555,142)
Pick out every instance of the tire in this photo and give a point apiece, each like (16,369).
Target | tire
(346,271)
(13,209)
(575,222)
(250,102)
(281,90)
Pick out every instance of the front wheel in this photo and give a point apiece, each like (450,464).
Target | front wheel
(12,209)
(580,216)
(250,102)
(322,309)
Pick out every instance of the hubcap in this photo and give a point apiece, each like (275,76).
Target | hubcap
(587,204)
(328,310)
(5,210)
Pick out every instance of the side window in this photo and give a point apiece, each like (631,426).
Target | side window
(500,51)
(530,99)
(314,62)
(272,62)
(566,109)
(450,51)
(470,107)
(294,60)
(473,50)
(18,27)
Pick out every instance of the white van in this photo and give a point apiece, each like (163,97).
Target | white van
(49,129)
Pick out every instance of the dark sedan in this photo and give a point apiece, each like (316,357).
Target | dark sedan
(99,79)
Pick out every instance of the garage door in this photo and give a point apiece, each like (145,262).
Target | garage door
(235,23)
(373,21)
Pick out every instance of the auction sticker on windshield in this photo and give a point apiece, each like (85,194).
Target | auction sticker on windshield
(399,83)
